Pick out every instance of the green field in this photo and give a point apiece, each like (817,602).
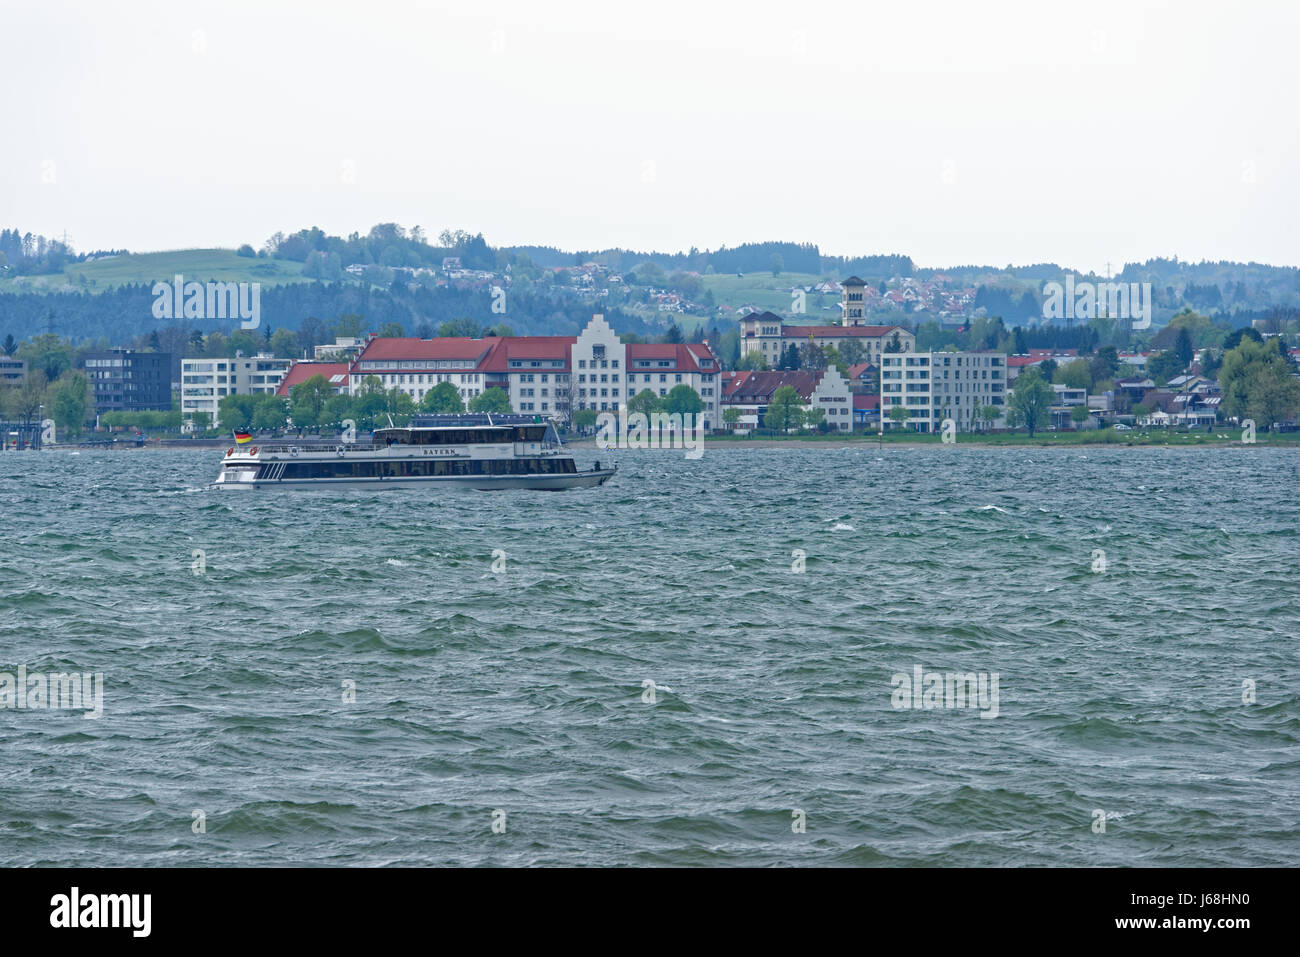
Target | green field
(200,265)
(765,291)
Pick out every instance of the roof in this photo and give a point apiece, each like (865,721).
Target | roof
(853,281)
(450,347)
(759,387)
(866,403)
(685,356)
(300,372)
(841,332)
(528,349)
(859,370)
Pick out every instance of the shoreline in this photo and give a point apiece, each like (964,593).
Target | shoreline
(995,442)
(588,443)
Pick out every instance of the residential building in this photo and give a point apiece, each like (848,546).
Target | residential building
(546,375)
(933,386)
(335,373)
(751,393)
(124,380)
(206,381)
(1065,401)
(862,378)
(866,411)
(343,347)
(766,334)
(12,370)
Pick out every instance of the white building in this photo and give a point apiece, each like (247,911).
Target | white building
(766,334)
(750,393)
(933,386)
(546,375)
(205,382)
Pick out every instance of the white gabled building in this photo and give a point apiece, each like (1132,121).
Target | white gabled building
(546,375)
(750,393)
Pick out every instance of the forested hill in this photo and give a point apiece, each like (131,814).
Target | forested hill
(394,274)
(126,311)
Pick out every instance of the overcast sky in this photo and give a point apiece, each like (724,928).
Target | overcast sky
(956,132)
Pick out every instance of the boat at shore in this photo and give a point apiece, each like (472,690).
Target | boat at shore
(483,452)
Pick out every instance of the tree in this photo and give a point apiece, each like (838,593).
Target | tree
(1074,375)
(337,408)
(9,347)
(1079,414)
(898,414)
(644,402)
(370,401)
(48,353)
(307,401)
(70,400)
(1104,364)
(683,400)
(730,416)
(235,412)
(785,411)
(464,327)
(246,251)
(990,414)
(1163,366)
(790,358)
(29,396)
(852,353)
(442,399)
(752,360)
(491,400)
(1183,347)
(1031,401)
(269,412)
(284,344)
(1257,384)
(584,419)
(814,418)
(812,357)
(895,344)
(777,262)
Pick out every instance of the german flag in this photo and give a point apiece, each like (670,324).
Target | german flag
(243,438)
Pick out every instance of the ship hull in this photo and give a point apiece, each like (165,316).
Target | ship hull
(482,483)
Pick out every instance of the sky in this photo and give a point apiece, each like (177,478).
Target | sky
(955,132)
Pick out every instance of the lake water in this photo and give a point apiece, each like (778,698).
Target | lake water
(1127,601)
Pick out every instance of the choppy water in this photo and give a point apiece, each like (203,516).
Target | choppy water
(522,691)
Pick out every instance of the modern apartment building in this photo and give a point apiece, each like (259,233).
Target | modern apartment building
(933,386)
(12,370)
(206,381)
(124,380)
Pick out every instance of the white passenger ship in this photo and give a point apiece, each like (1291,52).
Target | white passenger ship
(486,452)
